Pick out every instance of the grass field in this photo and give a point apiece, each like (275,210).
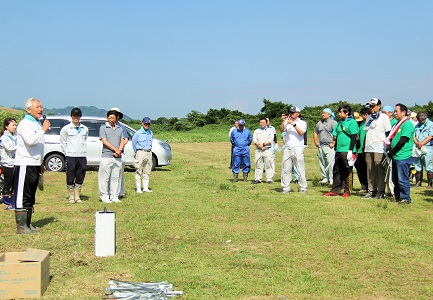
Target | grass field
(214,239)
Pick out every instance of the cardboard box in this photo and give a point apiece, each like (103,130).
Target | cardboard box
(24,274)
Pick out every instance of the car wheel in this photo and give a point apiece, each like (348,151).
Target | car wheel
(55,163)
(154,163)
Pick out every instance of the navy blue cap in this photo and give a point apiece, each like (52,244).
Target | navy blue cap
(146,120)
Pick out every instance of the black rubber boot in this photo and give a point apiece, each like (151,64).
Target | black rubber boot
(29,220)
(245,176)
(430,180)
(235,177)
(21,219)
(418,178)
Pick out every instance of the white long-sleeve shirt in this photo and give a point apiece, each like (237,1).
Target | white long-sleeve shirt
(8,145)
(30,139)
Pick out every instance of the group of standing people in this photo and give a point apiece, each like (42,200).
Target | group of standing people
(382,143)
(22,151)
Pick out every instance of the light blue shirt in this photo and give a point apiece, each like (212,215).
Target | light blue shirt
(142,140)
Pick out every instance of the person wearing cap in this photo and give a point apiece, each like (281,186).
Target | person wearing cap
(295,129)
(235,126)
(345,134)
(413,118)
(263,138)
(241,139)
(274,144)
(377,128)
(360,164)
(142,145)
(28,164)
(389,111)
(401,143)
(111,135)
(125,138)
(424,149)
(73,137)
(325,143)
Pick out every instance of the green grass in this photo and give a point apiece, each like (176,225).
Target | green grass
(214,239)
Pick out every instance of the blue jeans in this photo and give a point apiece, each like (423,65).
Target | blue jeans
(400,178)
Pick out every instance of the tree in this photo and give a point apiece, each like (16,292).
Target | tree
(274,109)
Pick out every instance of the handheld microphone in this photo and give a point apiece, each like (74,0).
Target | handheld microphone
(44,117)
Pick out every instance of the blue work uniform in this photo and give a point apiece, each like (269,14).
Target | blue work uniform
(241,140)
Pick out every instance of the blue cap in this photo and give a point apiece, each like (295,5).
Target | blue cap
(241,122)
(388,108)
(146,120)
(329,111)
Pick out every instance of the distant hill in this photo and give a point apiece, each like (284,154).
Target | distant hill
(87,111)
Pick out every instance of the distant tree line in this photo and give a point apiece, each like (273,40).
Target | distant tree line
(272,110)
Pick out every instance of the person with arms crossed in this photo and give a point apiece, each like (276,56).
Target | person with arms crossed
(142,145)
(8,146)
(262,138)
(73,137)
(28,164)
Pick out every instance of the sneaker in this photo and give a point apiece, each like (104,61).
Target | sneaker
(330,194)
(331,182)
(368,196)
(323,181)
(116,200)
(362,192)
(302,190)
(256,182)
(380,196)
(403,202)
(345,195)
(79,201)
(71,201)
(105,199)
(287,191)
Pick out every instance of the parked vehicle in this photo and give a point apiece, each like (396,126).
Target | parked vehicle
(54,158)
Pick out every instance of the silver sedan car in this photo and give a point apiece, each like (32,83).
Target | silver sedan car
(54,158)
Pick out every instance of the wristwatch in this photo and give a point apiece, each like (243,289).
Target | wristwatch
(294,125)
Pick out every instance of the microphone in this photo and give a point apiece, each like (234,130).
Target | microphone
(44,117)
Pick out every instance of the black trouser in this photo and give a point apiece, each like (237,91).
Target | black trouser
(8,174)
(25,185)
(340,173)
(361,169)
(75,170)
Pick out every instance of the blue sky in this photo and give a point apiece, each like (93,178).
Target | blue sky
(167,58)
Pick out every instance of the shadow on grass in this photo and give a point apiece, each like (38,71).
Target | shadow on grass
(41,223)
(428,193)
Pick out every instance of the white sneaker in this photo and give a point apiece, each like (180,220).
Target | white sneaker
(148,191)
(139,191)
(324,181)
(105,199)
(116,200)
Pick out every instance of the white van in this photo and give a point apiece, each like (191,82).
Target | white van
(54,158)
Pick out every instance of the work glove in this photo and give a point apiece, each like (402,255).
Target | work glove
(349,155)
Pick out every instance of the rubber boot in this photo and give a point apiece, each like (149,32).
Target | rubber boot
(29,220)
(138,186)
(418,179)
(235,177)
(146,185)
(245,176)
(21,219)
(77,193)
(71,194)
(430,180)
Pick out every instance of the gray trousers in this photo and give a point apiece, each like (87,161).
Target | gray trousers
(376,172)
(326,157)
(293,156)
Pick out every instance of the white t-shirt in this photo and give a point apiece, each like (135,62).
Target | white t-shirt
(292,138)
(375,133)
